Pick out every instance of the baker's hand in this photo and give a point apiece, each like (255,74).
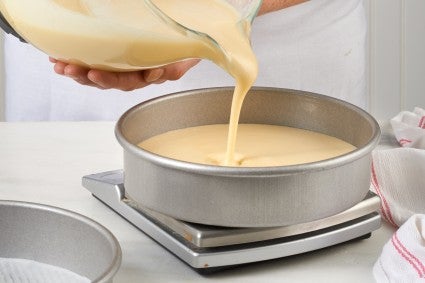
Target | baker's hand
(125,81)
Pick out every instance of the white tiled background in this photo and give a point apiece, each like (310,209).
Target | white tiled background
(396,57)
(1,79)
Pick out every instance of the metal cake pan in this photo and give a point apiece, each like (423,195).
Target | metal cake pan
(58,237)
(247,197)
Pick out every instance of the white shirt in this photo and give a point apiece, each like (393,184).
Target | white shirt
(318,46)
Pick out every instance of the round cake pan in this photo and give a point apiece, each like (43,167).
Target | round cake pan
(60,238)
(247,197)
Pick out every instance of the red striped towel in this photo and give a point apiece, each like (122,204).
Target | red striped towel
(403,256)
(398,177)
(409,128)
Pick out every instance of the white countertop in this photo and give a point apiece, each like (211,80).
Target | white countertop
(43,162)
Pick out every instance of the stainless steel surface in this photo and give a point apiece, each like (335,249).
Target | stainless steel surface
(248,197)
(103,185)
(58,237)
(215,236)
(108,187)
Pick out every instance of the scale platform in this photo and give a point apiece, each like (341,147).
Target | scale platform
(205,247)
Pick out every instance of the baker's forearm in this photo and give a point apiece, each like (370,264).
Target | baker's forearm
(274,5)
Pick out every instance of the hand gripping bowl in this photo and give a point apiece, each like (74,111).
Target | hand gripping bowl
(58,237)
(247,197)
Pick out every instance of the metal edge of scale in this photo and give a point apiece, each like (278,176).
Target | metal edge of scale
(203,247)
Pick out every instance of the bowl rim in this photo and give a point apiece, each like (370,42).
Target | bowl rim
(115,264)
(249,171)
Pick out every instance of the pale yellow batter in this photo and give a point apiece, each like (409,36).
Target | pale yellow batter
(129,35)
(256,146)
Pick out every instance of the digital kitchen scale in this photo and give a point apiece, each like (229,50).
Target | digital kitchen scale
(205,247)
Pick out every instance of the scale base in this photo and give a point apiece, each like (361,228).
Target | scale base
(212,270)
(207,248)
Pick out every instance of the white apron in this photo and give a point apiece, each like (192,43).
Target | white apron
(317,46)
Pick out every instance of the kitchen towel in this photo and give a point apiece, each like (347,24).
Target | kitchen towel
(409,128)
(398,177)
(403,256)
(14,270)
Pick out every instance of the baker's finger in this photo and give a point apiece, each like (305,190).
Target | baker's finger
(125,81)
(176,70)
(77,73)
(153,75)
(59,68)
